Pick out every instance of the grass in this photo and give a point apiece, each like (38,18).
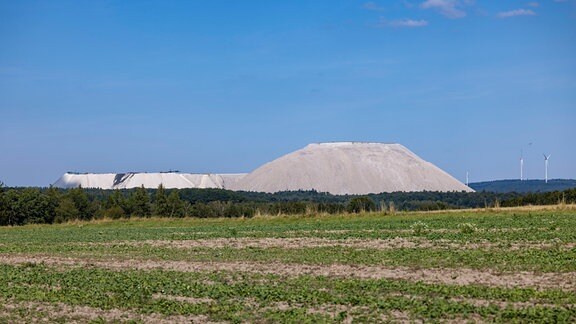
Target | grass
(528,242)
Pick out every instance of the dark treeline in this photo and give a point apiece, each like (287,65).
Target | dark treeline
(524,186)
(20,206)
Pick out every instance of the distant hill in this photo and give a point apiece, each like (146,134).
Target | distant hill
(503,186)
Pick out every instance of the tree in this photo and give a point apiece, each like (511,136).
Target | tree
(81,202)
(115,199)
(3,206)
(140,202)
(9,215)
(28,206)
(66,210)
(96,209)
(54,197)
(238,210)
(161,207)
(116,206)
(175,204)
(202,210)
(361,204)
(36,207)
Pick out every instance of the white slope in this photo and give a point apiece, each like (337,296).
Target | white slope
(170,180)
(86,180)
(350,168)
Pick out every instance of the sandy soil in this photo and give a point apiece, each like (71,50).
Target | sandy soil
(460,276)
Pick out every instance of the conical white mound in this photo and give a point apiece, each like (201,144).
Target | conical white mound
(350,168)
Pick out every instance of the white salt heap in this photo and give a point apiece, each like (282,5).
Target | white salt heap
(337,168)
(170,180)
(350,168)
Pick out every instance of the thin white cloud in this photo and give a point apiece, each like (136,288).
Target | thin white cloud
(533,4)
(515,13)
(372,6)
(401,23)
(449,8)
(408,23)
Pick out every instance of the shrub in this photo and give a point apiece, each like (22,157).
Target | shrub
(115,212)
(467,228)
(360,205)
(419,228)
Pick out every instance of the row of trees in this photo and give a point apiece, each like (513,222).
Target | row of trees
(33,205)
(544,198)
(50,205)
(19,206)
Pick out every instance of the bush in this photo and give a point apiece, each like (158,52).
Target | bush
(360,205)
(115,212)
(419,228)
(467,228)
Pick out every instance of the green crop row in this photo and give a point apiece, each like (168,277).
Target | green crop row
(239,297)
(512,227)
(540,260)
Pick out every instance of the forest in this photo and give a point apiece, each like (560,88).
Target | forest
(19,206)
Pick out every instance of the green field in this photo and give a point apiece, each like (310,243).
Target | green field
(482,266)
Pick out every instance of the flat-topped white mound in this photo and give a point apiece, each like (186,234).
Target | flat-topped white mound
(350,168)
(170,180)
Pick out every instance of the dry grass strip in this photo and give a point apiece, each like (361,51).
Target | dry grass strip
(310,242)
(296,233)
(478,302)
(504,304)
(459,276)
(283,243)
(183,299)
(394,316)
(49,312)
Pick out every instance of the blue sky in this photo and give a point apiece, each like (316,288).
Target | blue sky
(225,86)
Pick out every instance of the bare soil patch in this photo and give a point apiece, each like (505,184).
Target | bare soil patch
(478,302)
(334,310)
(189,300)
(406,230)
(311,242)
(284,243)
(460,276)
(505,304)
(45,312)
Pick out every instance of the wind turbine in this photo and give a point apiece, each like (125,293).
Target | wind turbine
(467,182)
(521,165)
(546,158)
